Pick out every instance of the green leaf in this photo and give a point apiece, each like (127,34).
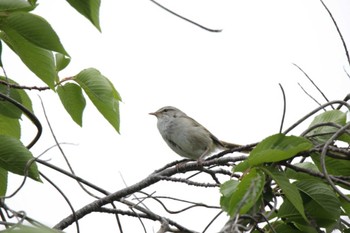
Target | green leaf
(15,157)
(275,148)
(73,101)
(1,65)
(7,108)
(241,197)
(88,8)
(3,182)
(321,203)
(10,127)
(281,227)
(35,30)
(61,61)
(288,212)
(102,94)
(326,132)
(15,5)
(39,61)
(20,95)
(334,166)
(227,189)
(345,205)
(289,190)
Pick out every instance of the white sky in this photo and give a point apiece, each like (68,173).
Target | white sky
(227,81)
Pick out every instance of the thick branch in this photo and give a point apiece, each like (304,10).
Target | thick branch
(151,179)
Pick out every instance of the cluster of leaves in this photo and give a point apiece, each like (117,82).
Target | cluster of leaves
(295,196)
(36,43)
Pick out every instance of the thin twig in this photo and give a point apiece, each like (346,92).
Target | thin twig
(16,86)
(284,108)
(313,83)
(211,221)
(338,30)
(314,173)
(188,20)
(146,216)
(318,103)
(65,198)
(148,181)
(314,111)
(193,204)
(61,149)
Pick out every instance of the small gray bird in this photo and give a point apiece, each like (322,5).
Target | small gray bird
(186,136)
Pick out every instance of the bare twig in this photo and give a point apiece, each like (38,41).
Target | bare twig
(188,20)
(65,198)
(338,30)
(314,111)
(315,173)
(211,221)
(318,103)
(307,76)
(284,107)
(193,204)
(151,216)
(30,88)
(148,181)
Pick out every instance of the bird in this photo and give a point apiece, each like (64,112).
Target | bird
(185,136)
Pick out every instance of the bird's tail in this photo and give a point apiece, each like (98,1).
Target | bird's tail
(229,145)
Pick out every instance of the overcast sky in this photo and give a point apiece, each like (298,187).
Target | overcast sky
(227,81)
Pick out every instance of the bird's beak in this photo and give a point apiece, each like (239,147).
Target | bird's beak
(153,113)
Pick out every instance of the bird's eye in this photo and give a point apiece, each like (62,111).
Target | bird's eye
(165,110)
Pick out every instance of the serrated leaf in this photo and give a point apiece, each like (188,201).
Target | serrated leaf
(10,127)
(275,148)
(290,191)
(62,61)
(242,197)
(35,30)
(334,166)
(39,61)
(3,182)
(325,132)
(102,94)
(73,101)
(88,8)
(321,204)
(15,5)
(14,157)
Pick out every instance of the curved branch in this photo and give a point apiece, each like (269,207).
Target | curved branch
(323,162)
(31,117)
(314,111)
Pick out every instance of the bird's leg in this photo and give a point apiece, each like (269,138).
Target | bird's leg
(200,160)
